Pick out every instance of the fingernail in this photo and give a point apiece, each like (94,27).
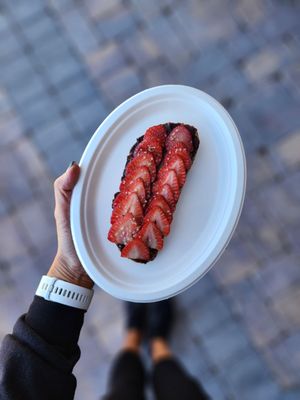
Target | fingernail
(71,163)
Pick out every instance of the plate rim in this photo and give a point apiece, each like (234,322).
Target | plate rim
(75,209)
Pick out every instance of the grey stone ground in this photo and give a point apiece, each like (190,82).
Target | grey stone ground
(65,65)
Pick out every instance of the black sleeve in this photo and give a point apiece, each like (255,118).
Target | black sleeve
(37,359)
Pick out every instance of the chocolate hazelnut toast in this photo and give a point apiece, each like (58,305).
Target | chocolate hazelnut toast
(154,175)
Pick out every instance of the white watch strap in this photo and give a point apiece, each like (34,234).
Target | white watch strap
(62,292)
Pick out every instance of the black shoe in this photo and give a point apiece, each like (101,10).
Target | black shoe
(135,315)
(160,319)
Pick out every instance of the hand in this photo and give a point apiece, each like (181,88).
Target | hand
(66,264)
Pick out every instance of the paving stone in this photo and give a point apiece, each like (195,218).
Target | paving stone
(121,85)
(97,9)
(28,90)
(20,11)
(39,28)
(226,343)
(14,242)
(142,49)
(63,70)
(173,47)
(88,116)
(284,208)
(261,65)
(79,30)
(161,73)
(250,378)
(16,71)
(77,91)
(235,265)
(250,13)
(52,49)
(48,138)
(61,5)
(10,46)
(11,308)
(214,389)
(278,275)
(284,359)
(40,113)
(116,23)
(58,161)
(287,305)
(10,127)
(106,60)
(288,148)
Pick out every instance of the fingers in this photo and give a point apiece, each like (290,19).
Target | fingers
(63,187)
(67,181)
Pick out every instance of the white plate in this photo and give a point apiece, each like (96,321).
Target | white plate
(208,209)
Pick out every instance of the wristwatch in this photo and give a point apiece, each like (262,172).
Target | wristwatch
(53,289)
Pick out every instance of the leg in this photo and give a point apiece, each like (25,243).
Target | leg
(170,380)
(127,375)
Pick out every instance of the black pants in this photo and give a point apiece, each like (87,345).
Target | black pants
(170,380)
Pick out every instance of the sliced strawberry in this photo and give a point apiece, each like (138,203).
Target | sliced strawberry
(160,201)
(136,250)
(180,150)
(119,198)
(151,236)
(142,172)
(152,146)
(123,230)
(144,159)
(166,192)
(180,134)
(169,176)
(130,204)
(176,163)
(157,132)
(138,187)
(157,215)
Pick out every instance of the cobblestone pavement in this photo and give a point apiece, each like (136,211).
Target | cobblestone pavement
(65,65)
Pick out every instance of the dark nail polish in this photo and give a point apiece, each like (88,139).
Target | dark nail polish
(71,163)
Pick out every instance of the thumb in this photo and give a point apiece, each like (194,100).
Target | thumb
(63,187)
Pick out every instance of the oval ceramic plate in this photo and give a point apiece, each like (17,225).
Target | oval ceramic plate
(207,212)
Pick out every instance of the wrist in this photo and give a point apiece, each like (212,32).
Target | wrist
(68,272)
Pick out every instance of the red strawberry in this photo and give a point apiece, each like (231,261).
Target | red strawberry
(180,134)
(130,204)
(123,230)
(157,132)
(151,236)
(138,187)
(119,198)
(136,250)
(144,159)
(157,215)
(166,192)
(180,150)
(160,201)
(169,176)
(176,163)
(142,172)
(152,146)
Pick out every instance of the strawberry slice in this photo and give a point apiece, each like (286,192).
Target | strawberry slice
(160,201)
(142,172)
(136,250)
(151,236)
(157,132)
(144,159)
(169,177)
(176,163)
(157,215)
(119,198)
(130,204)
(182,135)
(138,187)
(180,150)
(152,146)
(123,230)
(166,192)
